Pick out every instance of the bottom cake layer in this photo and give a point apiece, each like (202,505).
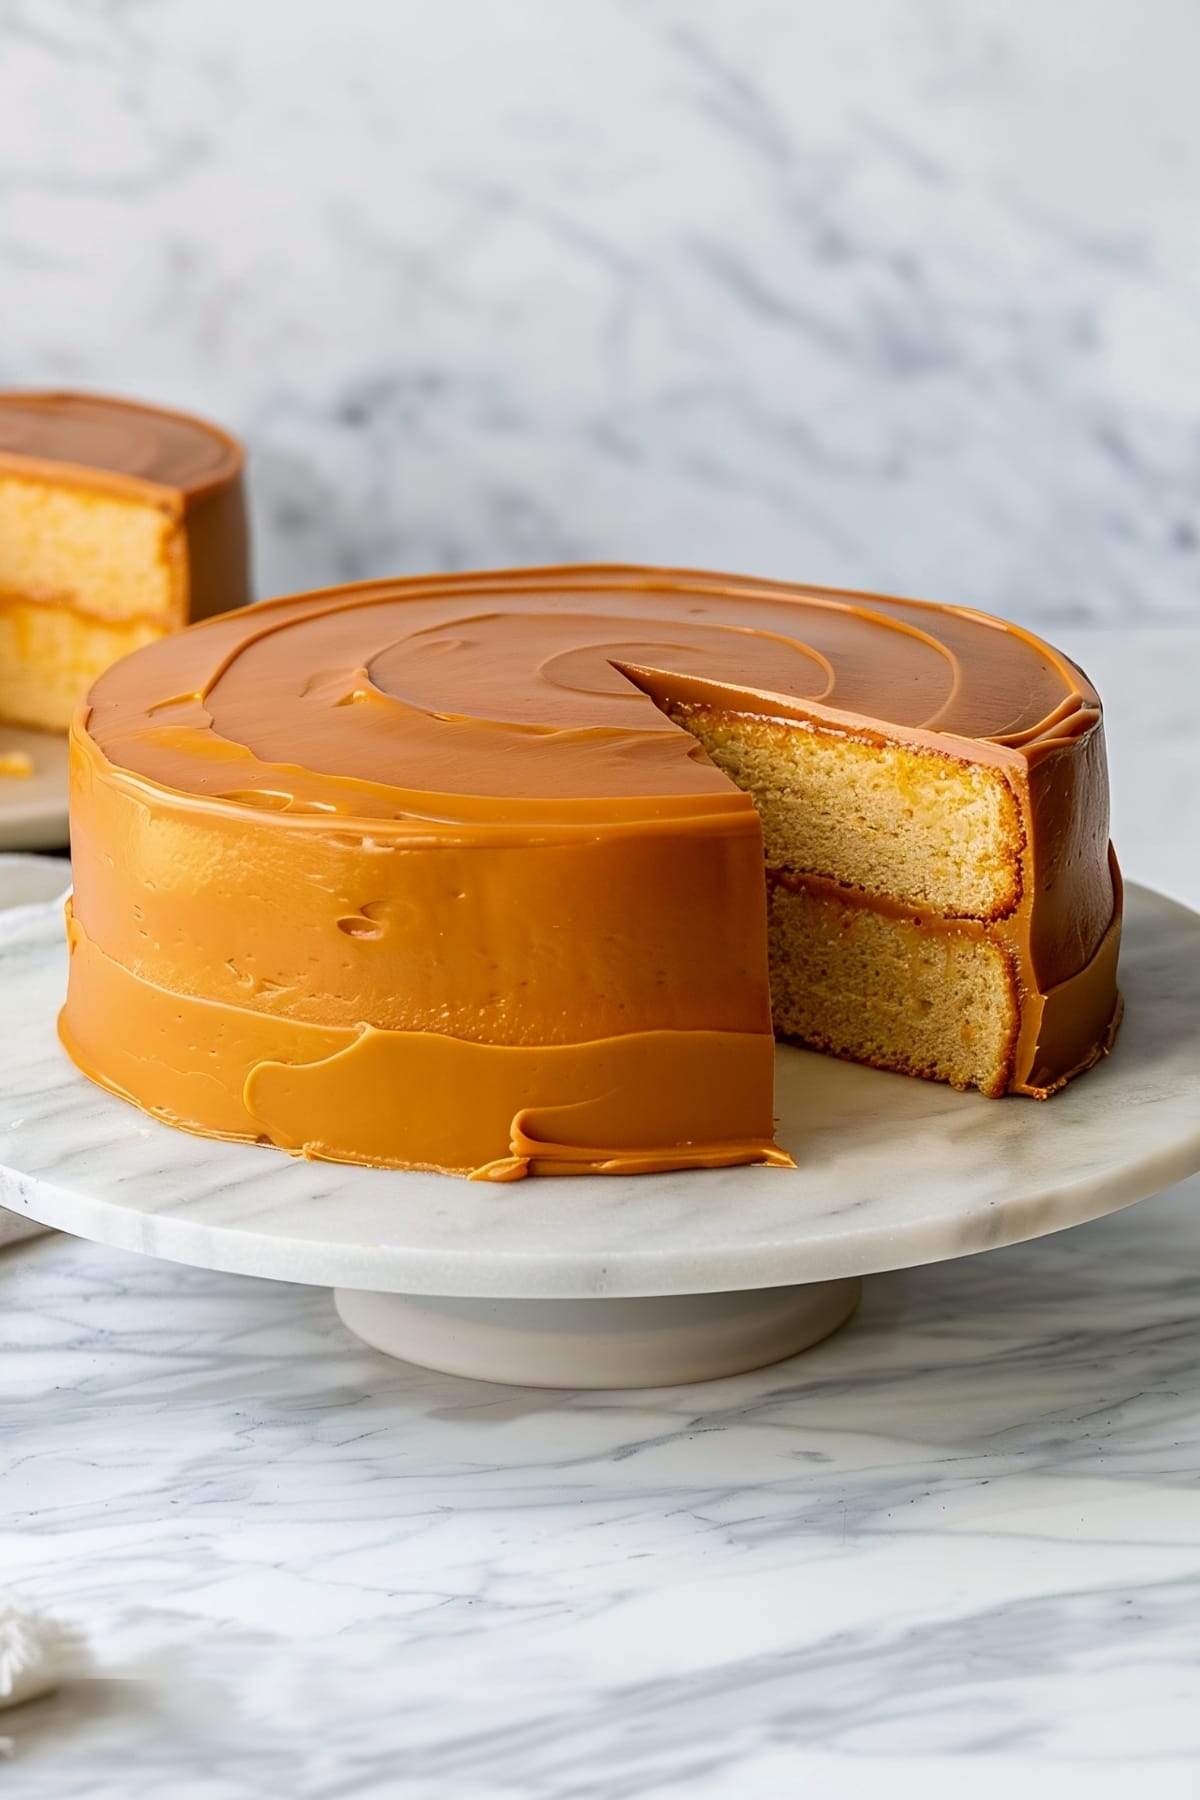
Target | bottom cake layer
(927,996)
(892,991)
(622,1105)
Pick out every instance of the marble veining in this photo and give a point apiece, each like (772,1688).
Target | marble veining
(895,296)
(957,1548)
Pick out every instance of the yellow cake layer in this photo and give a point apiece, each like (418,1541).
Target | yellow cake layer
(50,655)
(921,828)
(923,997)
(111,556)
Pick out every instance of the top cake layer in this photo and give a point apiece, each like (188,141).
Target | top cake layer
(116,439)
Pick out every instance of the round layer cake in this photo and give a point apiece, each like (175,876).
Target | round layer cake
(523,873)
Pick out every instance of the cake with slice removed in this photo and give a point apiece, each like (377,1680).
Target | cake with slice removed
(519,873)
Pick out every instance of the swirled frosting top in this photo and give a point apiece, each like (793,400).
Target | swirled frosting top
(530,696)
(119,438)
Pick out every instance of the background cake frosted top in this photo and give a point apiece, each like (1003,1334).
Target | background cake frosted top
(116,442)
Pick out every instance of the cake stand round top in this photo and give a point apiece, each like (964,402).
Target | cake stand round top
(890,1172)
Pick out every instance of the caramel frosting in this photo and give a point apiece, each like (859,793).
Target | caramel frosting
(186,468)
(420,873)
(116,442)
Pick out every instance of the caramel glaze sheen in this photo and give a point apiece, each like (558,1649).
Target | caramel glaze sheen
(186,467)
(419,873)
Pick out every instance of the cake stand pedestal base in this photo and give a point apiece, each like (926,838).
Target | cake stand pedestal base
(601,1343)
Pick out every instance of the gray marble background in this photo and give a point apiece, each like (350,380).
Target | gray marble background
(896,293)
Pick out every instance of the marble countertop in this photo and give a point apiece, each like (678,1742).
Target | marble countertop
(956,1548)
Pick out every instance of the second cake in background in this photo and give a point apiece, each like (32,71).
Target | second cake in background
(119,522)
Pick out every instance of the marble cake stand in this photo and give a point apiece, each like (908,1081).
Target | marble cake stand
(635,1281)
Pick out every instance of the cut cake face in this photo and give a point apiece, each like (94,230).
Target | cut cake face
(885,866)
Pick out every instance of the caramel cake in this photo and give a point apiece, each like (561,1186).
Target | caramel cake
(118,523)
(521,873)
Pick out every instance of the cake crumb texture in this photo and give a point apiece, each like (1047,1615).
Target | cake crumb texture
(106,555)
(899,993)
(84,578)
(922,828)
(50,655)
